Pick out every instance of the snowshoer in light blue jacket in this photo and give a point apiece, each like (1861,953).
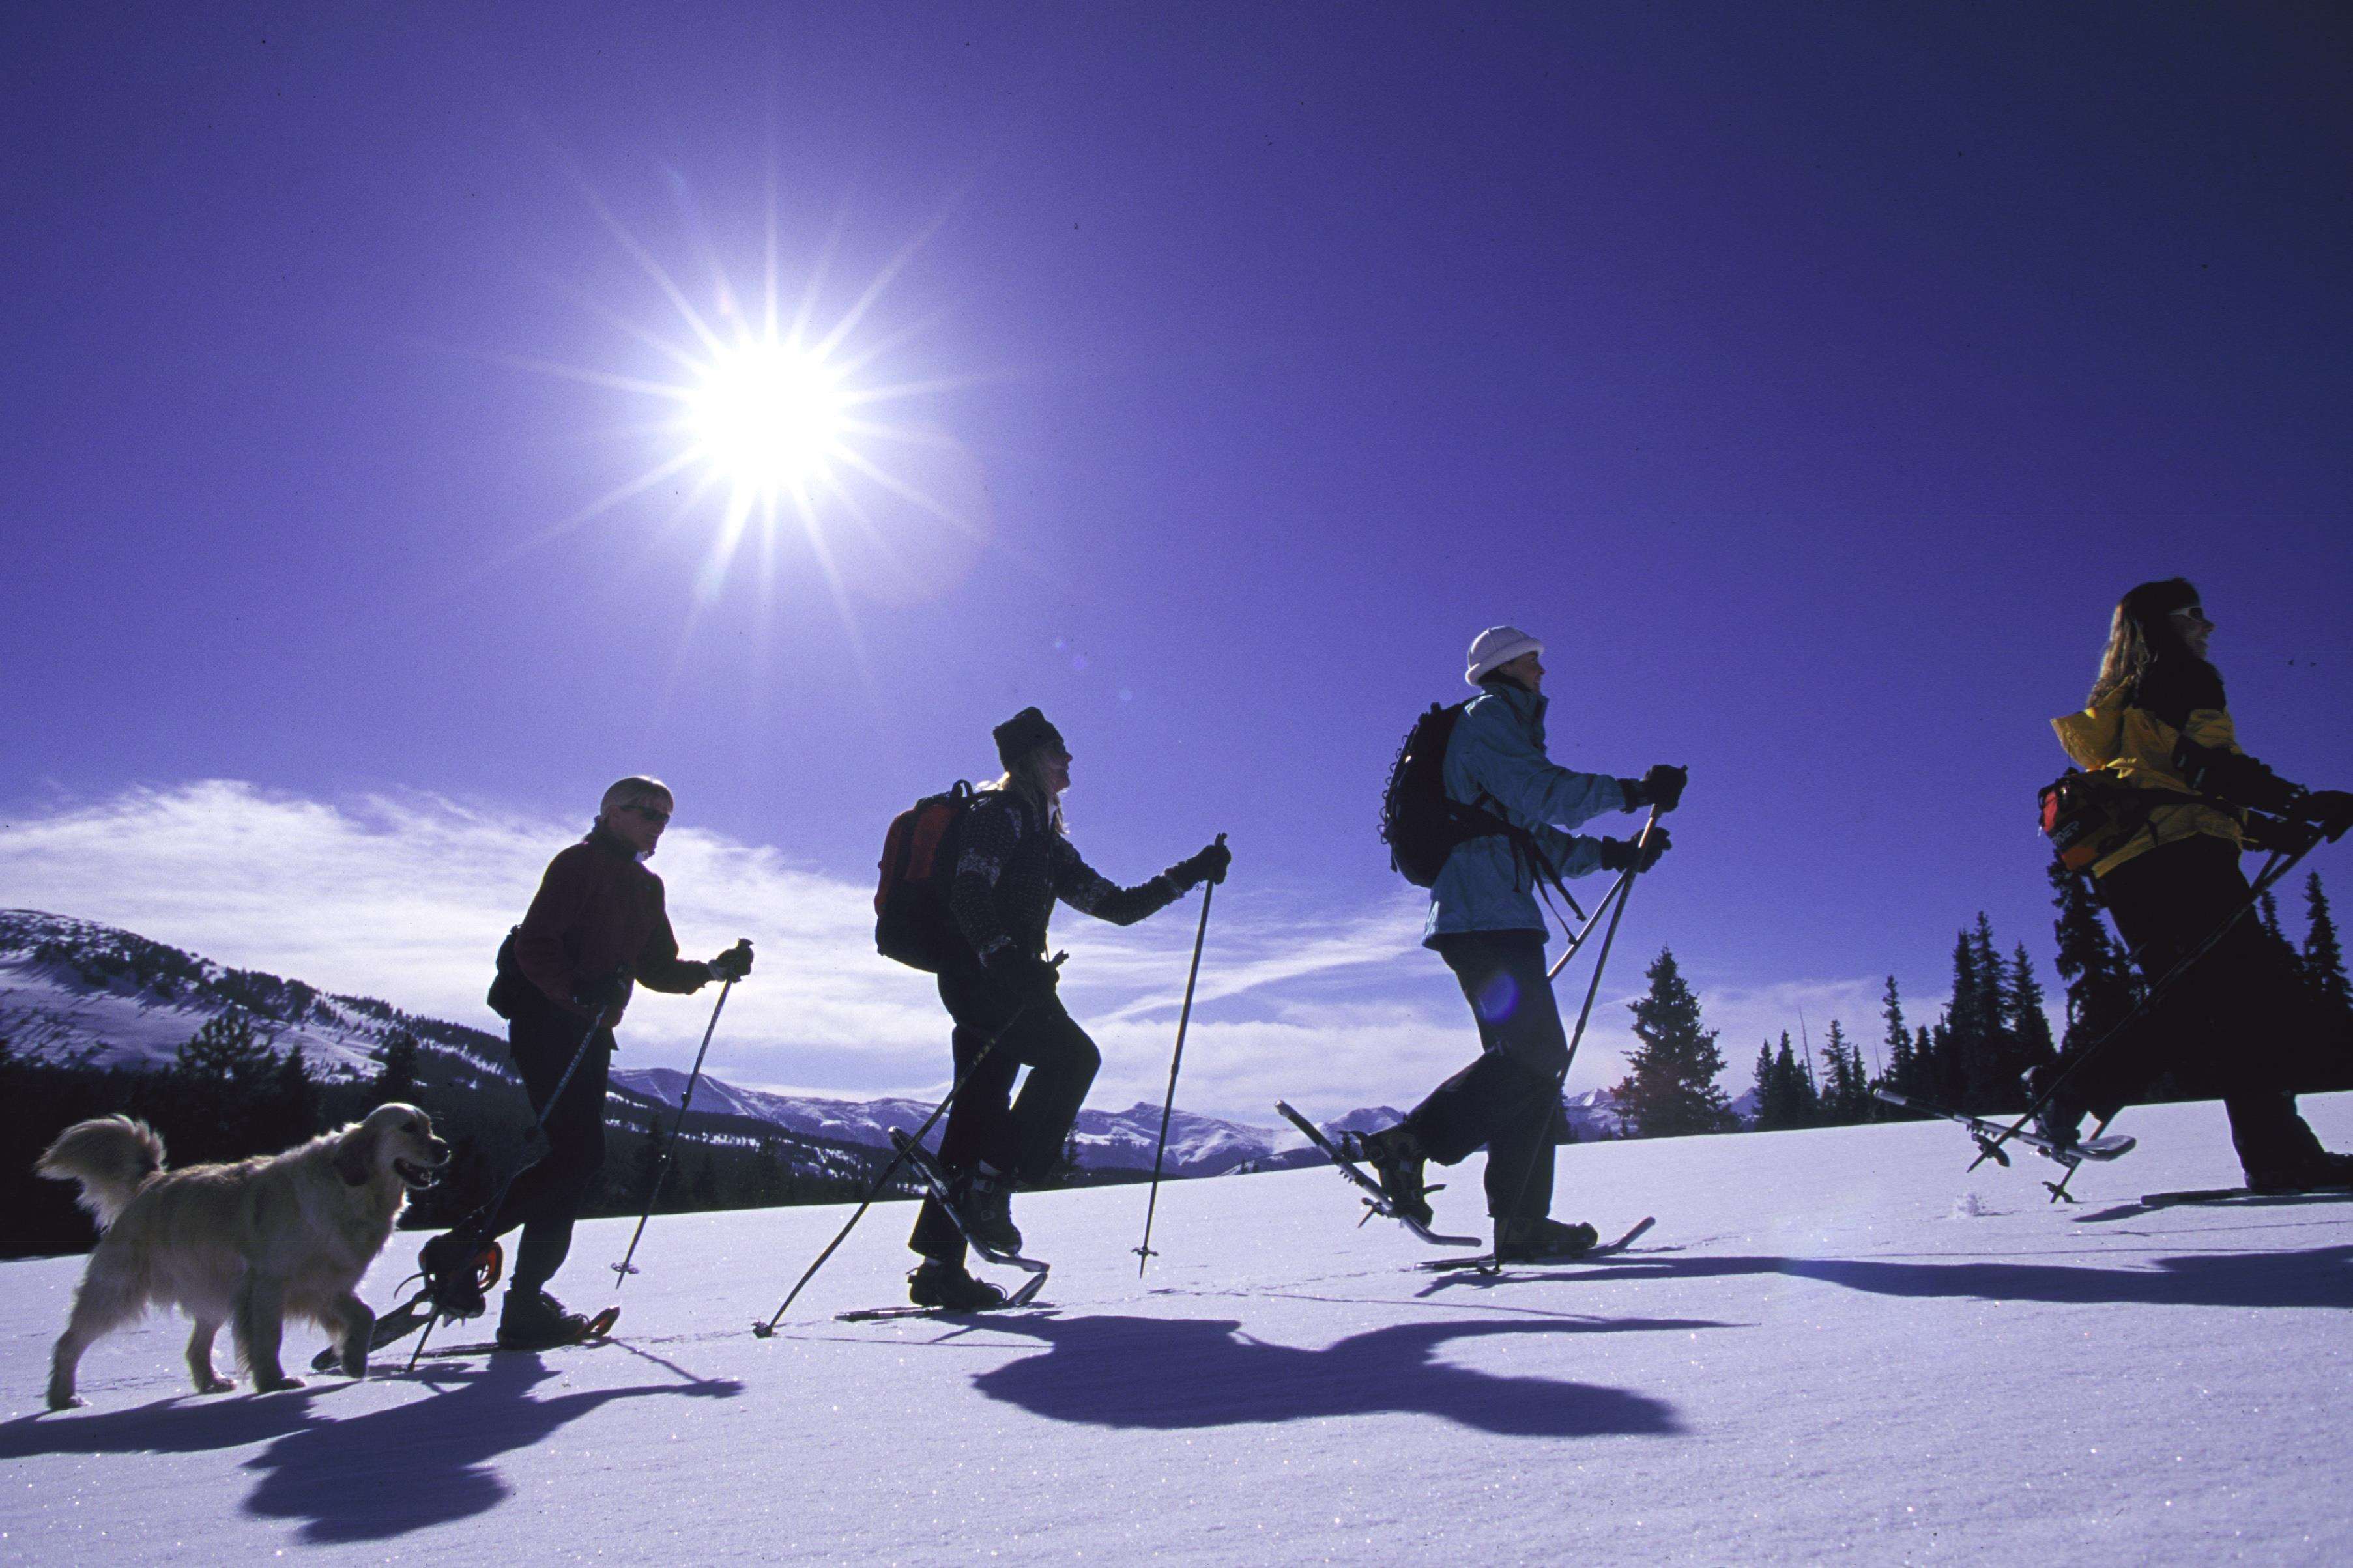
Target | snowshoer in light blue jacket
(1485,923)
(1496,759)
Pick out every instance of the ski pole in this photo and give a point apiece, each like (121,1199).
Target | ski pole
(1176,1059)
(1592,921)
(765,1329)
(670,1145)
(2281,862)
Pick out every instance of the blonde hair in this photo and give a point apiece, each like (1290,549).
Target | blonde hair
(1027,778)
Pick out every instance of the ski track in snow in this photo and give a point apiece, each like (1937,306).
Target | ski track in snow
(1820,1354)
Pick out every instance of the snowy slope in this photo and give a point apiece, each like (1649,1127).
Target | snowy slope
(1835,1346)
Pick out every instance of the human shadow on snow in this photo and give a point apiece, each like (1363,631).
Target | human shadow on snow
(1165,1374)
(368,1477)
(2316,1277)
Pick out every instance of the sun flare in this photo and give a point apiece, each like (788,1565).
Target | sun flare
(768,416)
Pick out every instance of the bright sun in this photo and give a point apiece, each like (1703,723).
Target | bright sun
(768,416)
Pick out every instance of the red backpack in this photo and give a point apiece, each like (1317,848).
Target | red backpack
(911,919)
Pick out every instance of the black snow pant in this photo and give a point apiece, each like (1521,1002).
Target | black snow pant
(1508,1101)
(545,1197)
(2236,1024)
(1019,1138)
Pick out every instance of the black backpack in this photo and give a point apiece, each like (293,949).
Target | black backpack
(1421,824)
(1418,823)
(913,922)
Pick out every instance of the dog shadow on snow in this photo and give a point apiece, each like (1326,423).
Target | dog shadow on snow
(369,1476)
(1175,1373)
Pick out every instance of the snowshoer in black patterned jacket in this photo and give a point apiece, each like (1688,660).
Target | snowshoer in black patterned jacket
(1013,861)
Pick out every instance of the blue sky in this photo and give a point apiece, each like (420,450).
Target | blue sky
(1812,379)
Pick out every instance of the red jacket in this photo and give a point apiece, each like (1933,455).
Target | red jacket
(598,909)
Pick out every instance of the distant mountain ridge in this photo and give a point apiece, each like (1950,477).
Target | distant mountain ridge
(76,990)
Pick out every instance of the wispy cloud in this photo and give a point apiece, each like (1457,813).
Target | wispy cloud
(406,897)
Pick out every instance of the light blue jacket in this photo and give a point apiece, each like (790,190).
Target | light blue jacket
(1497,751)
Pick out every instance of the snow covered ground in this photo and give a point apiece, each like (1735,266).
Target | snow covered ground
(1834,1346)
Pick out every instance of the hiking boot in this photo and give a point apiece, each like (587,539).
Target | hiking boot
(2060,1119)
(937,1282)
(452,1266)
(535,1320)
(1396,1156)
(1542,1240)
(984,1211)
(2319,1172)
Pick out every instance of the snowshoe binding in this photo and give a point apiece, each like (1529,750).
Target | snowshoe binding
(1398,1162)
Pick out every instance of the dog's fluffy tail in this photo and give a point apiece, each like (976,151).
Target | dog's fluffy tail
(111,1156)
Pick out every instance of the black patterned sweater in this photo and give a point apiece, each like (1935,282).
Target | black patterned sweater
(1010,868)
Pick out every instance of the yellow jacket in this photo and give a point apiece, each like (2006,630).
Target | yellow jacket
(2138,748)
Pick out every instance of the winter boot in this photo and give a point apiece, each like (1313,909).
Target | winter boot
(2061,1120)
(2318,1171)
(937,1282)
(1542,1240)
(452,1265)
(535,1320)
(984,1207)
(1396,1156)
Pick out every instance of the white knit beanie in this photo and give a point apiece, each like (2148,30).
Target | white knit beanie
(1498,646)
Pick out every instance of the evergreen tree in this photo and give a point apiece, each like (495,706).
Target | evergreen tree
(1962,1034)
(225,1051)
(1842,1088)
(1903,1063)
(395,1078)
(2029,1026)
(1805,1107)
(1765,1089)
(292,1111)
(1670,1087)
(2324,958)
(2095,969)
(646,1170)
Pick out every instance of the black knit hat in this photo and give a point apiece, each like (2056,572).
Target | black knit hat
(1024,733)
(2151,601)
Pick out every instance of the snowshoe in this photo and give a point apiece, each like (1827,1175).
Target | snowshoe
(949,1287)
(1542,1240)
(1377,1202)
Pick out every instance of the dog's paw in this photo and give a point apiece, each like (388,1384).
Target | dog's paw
(216,1385)
(66,1401)
(276,1384)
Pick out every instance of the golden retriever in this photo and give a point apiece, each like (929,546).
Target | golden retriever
(247,1244)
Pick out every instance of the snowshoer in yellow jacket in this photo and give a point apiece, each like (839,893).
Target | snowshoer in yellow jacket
(2236,1024)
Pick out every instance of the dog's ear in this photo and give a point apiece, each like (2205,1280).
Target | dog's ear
(355,1155)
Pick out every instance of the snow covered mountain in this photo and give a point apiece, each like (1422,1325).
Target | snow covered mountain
(74,990)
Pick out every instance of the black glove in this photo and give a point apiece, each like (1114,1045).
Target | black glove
(734,964)
(1638,854)
(1662,786)
(1021,978)
(2330,810)
(1209,865)
(598,997)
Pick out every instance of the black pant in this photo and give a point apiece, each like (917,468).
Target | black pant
(2235,1024)
(546,1196)
(1016,1138)
(1509,1099)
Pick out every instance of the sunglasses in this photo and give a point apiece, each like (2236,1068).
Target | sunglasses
(656,817)
(2195,613)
